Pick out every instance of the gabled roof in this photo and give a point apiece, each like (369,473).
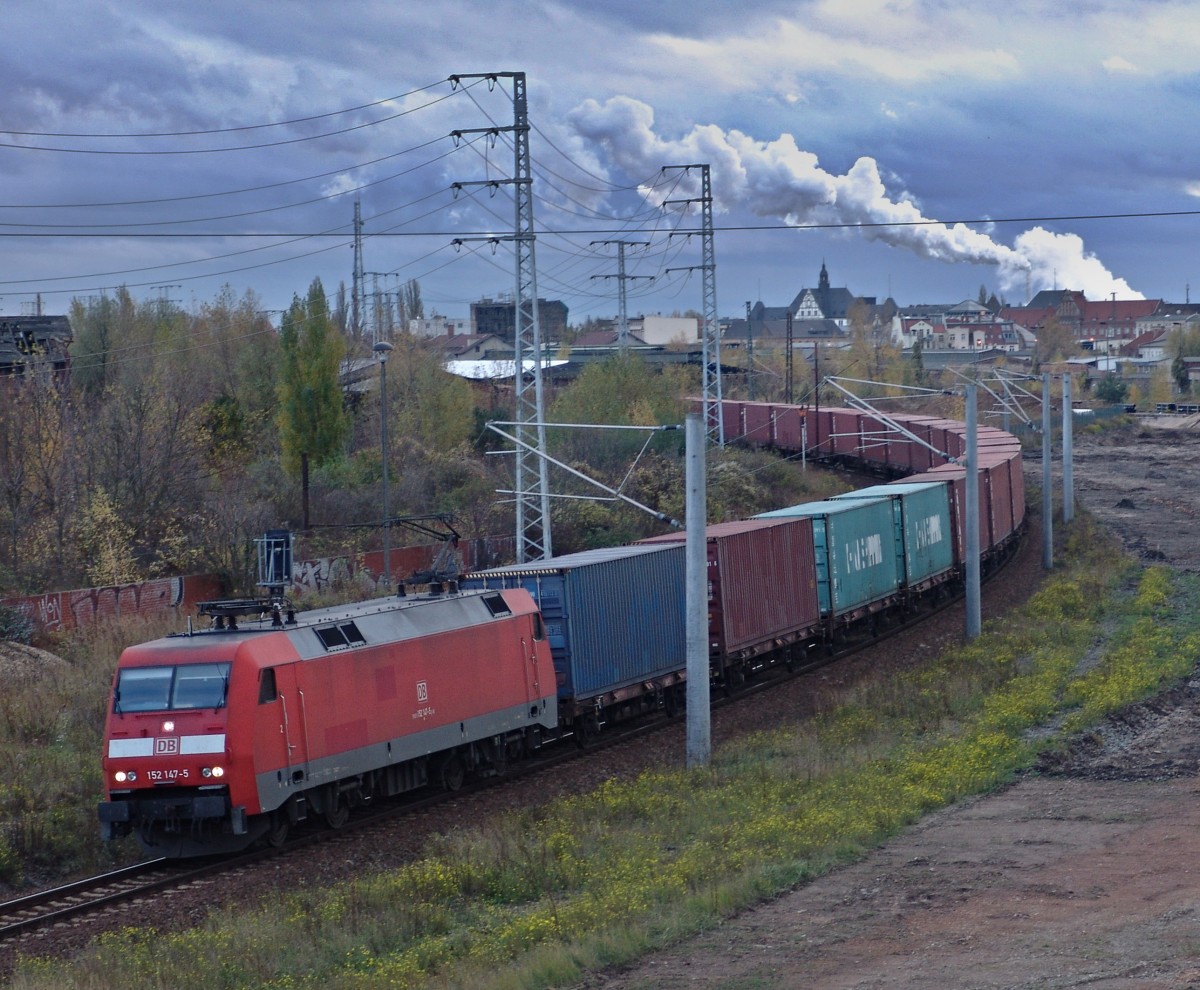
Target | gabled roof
(459,343)
(603,338)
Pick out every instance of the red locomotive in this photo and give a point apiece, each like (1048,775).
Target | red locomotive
(216,739)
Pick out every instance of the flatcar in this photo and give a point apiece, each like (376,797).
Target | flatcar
(218,738)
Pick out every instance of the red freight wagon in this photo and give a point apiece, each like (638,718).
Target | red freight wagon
(1016,466)
(947,436)
(762,590)
(216,738)
(819,420)
(877,439)
(756,424)
(789,427)
(912,455)
(845,432)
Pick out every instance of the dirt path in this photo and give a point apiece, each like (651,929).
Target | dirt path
(1085,873)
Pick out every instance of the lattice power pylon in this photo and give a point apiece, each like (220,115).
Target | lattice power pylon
(714,426)
(532,489)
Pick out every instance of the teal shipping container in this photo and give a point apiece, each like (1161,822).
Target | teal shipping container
(923,527)
(857,562)
(613,617)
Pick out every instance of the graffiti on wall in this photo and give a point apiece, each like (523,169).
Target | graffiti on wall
(59,610)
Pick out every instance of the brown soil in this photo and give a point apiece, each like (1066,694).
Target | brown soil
(1086,872)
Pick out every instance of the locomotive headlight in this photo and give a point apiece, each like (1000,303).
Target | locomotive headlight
(125,776)
(213,772)
(168,726)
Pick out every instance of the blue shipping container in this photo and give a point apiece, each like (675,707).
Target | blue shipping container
(923,528)
(857,561)
(613,617)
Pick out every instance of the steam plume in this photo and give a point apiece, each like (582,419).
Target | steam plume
(776,179)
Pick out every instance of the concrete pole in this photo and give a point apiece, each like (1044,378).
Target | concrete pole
(699,746)
(381,349)
(1068,473)
(1047,490)
(974,613)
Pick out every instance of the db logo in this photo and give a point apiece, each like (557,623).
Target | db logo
(166,746)
(422,691)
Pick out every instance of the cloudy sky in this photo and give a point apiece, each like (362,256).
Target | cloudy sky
(919,148)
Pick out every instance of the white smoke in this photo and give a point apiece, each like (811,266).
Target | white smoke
(776,179)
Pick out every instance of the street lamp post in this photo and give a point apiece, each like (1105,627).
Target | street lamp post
(381,348)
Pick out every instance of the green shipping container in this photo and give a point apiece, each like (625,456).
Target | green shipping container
(923,533)
(857,560)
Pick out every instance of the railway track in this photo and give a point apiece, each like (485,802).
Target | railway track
(24,916)
(26,923)
(60,905)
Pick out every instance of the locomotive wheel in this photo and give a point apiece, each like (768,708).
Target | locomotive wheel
(500,756)
(453,772)
(337,815)
(278,831)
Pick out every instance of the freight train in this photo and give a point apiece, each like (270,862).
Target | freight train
(219,738)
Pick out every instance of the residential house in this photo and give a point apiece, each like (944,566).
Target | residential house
(1103,325)
(822,313)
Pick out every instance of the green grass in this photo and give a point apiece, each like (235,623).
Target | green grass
(605,877)
(51,724)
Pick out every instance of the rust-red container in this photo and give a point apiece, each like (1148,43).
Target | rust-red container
(845,431)
(762,583)
(789,427)
(756,424)
(997,470)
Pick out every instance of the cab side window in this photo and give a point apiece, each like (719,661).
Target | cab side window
(539,629)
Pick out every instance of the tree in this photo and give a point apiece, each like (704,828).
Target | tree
(145,455)
(1111,389)
(1160,386)
(1179,371)
(621,391)
(918,363)
(411,306)
(425,402)
(313,425)
(107,540)
(1055,341)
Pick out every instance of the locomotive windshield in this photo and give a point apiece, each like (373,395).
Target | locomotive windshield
(160,689)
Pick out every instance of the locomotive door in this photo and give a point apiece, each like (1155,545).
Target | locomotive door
(289,751)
